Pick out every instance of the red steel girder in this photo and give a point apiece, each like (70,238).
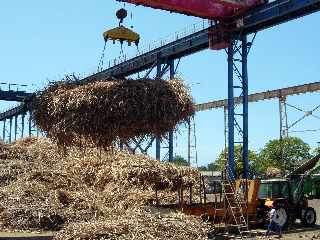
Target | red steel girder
(210,9)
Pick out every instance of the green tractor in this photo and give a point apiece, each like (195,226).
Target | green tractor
(290,196)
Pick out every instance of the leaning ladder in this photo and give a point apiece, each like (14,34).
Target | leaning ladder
(235,202)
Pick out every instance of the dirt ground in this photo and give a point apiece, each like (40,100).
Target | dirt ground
(298,231)
(25,236)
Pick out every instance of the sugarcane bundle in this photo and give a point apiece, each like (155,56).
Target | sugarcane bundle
(273,172)
(93,193)
(105,111)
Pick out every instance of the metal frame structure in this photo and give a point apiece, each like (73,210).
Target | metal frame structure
(167,140)
(238,27)
(17,96)
(281,95)
(192,157)
(261,96)
(17,127)
(238,80)
(285,126)
(144,143)
(283,117)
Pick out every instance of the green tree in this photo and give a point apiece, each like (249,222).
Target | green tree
(316,151)
(284,154)
(213,167)
(179,160)
(209,167)
(202,168)
(252,156)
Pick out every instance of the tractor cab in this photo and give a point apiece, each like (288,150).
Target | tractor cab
(287,196)
(274,189)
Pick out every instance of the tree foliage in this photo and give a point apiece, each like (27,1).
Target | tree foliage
(316,151)
(202,168)
(252,157)
(213,167)
(210,167)
(284,154)
(179,160)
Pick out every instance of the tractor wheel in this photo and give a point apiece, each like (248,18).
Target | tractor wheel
(309,217)
(282,218)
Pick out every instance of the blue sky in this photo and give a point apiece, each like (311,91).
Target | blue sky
(42,41)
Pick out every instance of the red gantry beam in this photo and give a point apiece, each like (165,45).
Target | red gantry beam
(210,9)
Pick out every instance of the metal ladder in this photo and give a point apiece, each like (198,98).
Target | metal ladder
(235,202)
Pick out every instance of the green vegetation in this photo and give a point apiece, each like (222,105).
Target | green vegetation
(210,167)
(221,160)
(316,151)
(283,154)
(180,161)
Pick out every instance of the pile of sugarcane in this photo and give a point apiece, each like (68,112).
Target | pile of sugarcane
(100,113)
(272,172)
(92,194)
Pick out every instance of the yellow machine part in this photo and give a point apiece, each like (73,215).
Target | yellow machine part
(268,203)
(217,209)
(121,34)
(253,190)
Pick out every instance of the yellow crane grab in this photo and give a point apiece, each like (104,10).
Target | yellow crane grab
(122,34)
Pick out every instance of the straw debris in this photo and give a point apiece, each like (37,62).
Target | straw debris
(92,194)
(102,112)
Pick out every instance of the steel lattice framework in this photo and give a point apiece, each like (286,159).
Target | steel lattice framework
(267,95)
(237,28)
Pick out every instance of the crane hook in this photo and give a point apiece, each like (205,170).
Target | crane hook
(121,15)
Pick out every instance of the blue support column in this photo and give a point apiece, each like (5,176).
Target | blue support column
(30,125)
(245,149)
(4,131)
(172,73)
(158,143)
(15,127)
(10,129)
(238,85)
(22,125)
(231,162)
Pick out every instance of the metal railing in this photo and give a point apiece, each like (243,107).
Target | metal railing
(146,47)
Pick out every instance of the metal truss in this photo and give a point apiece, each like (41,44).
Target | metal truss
(144,143)
(192,143)
(285,127)
(238,51)
(138,144)
(14,128)
(283,117)
(261,96)
(260,18)
(168,140)
(263,17)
